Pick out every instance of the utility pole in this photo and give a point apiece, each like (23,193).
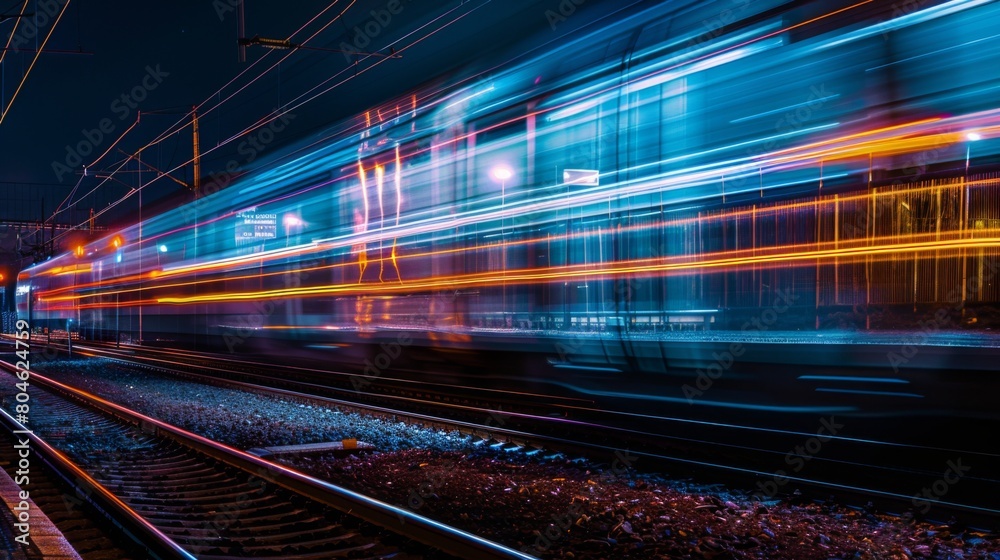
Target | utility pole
(196,143)
(241,30)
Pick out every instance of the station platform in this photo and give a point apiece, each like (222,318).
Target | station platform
(45,541)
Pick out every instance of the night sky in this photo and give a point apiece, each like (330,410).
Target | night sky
(165,57)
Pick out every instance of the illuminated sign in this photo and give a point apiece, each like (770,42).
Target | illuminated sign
(586,177)
(254,226)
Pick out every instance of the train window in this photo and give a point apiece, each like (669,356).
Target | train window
(568,140)
(944,59)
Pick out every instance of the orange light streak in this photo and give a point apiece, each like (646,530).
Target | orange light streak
(590,270)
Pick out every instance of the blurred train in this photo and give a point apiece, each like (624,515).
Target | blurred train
(631,199)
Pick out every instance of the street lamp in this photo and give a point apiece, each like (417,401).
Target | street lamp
(503,173)
(970,137)
(160,250)
(291,222)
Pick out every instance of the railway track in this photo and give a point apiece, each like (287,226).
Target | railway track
(862,472)
(390,390)
(197,498)
(81,524)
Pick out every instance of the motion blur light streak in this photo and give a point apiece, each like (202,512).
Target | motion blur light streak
(875,393)
(632,180)
(776,253)
(890,146)
(852,379)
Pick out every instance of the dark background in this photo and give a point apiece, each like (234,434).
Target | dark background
(110,44)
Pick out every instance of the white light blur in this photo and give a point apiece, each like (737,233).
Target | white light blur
(502,172)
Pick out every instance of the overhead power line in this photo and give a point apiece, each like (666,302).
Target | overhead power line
(284,44)
(34,61)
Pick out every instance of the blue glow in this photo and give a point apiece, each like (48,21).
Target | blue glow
(718,404)
(614,182)
(873,393)
(852,379)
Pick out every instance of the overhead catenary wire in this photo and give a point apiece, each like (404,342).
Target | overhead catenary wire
(13,32)
(185,121)
(34,61)
(263,121)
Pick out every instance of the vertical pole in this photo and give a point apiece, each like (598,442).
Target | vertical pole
(818,198)
(937,253)
(196,143)
(963,224)
(817,242)
(139,161)
(699,248)
(31,317)
(868,259)
(757,279)
(916,266)
(701,252)
(836,246)
(196,182)
(41,232)
(241,32)
(725,274)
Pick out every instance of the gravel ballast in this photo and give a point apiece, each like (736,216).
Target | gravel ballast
(545,504)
